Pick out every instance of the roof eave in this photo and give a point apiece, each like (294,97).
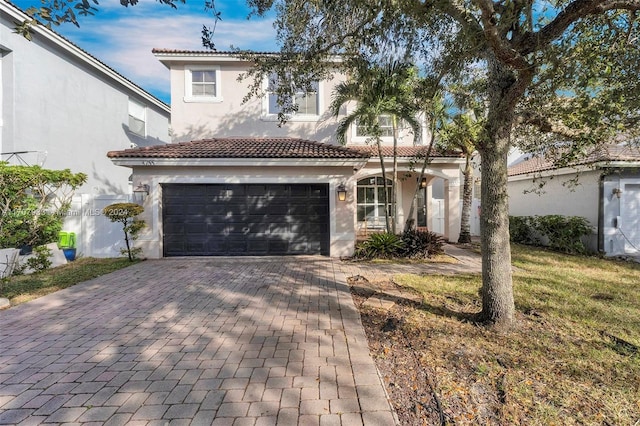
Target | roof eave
(167,58)
(407,159)
(618,164)
(238,162)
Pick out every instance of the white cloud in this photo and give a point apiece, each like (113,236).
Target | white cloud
(125,44)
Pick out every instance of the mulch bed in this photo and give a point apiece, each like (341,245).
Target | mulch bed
(397,353)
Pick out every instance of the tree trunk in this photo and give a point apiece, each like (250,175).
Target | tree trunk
(126,240)
(467,198)
(384,185)
(427,159)
(497,288)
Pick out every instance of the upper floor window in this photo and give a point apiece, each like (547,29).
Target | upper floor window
(306,101)
(137,118)
(385,124)
(202,84)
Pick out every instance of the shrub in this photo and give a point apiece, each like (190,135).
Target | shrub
(421,244)
(563,233)
(380,246)
(522,229)
(125,213)
(40,260)
(33,202)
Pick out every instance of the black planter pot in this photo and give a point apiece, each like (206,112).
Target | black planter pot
(25,249)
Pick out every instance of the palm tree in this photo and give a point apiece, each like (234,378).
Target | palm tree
(379,90)
(435,110)
(463,133)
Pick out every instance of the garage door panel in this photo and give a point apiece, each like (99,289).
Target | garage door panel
(251,219)
(236,245)
(216,245)
(279,228)
(257,245)
(197,245)
(299,191)
(253,190)
(318,228)
(319,191)
(215,209)
(260,229)
(277,210)
(281,191)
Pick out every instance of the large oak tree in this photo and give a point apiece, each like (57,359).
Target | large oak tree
(562,68)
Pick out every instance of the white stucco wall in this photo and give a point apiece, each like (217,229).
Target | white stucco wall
(558,197)
(54,102)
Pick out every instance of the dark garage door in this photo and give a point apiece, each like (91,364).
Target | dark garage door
(223,220)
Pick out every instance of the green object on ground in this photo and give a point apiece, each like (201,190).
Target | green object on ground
(66,239)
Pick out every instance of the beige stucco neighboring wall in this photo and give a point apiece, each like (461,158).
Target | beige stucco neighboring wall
(341,214)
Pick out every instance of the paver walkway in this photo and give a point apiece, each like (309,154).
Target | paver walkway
(233,341)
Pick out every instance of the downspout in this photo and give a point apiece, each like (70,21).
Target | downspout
(601,248)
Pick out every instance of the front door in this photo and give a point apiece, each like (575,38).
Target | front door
(421,208)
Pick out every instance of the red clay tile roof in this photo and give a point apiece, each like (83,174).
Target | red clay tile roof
(605,153)
(241,148)
(404,151)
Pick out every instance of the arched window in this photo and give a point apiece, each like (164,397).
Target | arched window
(371,201)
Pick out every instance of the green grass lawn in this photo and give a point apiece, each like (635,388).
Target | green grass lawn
(22,288)
(573,357)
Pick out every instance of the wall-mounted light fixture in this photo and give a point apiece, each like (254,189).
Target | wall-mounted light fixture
(342,192)
(617,192)
(140,192)
(423,182)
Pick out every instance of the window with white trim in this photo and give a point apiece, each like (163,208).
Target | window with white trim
(370,201)
(385,124)
(137,118)
(202,84)
(308,102)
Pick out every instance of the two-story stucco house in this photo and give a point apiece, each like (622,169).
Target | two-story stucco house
(61,108)
(237,183)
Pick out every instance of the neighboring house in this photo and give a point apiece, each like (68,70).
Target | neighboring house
(235,182)
(607,194)
(62,108)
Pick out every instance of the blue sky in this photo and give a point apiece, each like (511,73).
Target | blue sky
(123,37)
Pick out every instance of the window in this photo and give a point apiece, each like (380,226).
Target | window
(370,199)
(202,84)
(386,128)
(308,102)
(137,118)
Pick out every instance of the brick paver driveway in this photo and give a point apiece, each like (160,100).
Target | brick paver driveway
(239,341)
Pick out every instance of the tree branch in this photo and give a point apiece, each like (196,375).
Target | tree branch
(544,124)
(460,14)
(500,45)
(574,11)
